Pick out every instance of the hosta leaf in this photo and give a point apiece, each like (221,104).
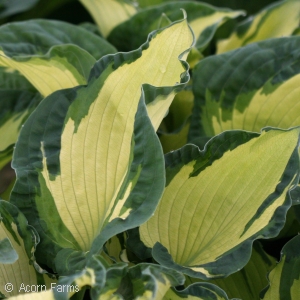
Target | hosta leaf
(93,166)
(173,131)
(15,107)
(115,248)
(297,212)
(136,246)
(297,31)
(271,22)
(290,229)
(249,281)
(62,67)
(117,281)
(93,275)
(176,140)
(194,57)
(146,3)
(151,282)
(91,27)
(7,175)
(103,279)
(38,36)
(51,54)
(221,199)
(12,7)
(5,156)
(48,9)
(203,291)
(144,281)
(18,99)
(7,180)
(179,111)
(249,88)
(8,254)
(11,79)
(148,282)
(23,239)
(203,19)
(284,278)
(109,14)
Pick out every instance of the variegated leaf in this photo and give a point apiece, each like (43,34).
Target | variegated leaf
(18,99)
(249,88)
(219,200)
(173,131)
(197,291)
(204,20)
(285,277)
(93,166)
(109,14)
(20,272)
(52,55)
(247,283)
(276,20)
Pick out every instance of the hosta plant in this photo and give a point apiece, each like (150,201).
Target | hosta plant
(151,155)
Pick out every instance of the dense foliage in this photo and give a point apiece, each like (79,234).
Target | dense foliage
(151,151)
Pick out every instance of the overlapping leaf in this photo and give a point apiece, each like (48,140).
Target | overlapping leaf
(249,281)
(18,99)
(11,7)
(12,80)
(7,180)
(94,274)
(173,132)
(18,269)
(101,278)
(249,88)
(8,254)
(276,20)
(284,278)
(109,14)
(203,19)
(16,106)
(146,3)
(151,282)
(202,291)
(115,249)
(114,282)
(297,212)
(88,161)
(219,200)
(51,54)
(176,140)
